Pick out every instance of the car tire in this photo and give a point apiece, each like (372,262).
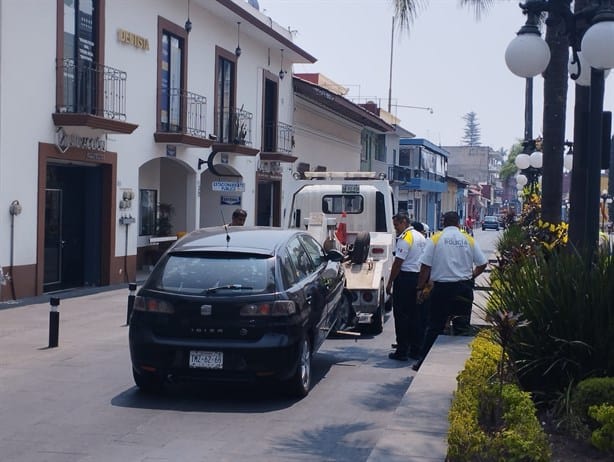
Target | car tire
(147,382)
(346,314)
(360,251)
(377,326)
(483,228)
(300,382)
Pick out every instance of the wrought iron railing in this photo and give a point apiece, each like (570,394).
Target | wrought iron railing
(278,137)
(92,88)
(187,112)
(234,126)
(399,174)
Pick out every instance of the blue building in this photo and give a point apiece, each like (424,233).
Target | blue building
(419,178)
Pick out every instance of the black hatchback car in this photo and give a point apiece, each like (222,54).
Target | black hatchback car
(237,304)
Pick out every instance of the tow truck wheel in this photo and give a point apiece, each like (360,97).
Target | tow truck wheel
(361,247)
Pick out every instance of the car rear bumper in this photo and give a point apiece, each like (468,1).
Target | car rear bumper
(275,355)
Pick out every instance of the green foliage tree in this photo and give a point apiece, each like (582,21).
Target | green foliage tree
(472,130)
(509,169)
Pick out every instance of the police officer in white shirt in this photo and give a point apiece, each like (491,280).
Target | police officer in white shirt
(448,260)
(403,279)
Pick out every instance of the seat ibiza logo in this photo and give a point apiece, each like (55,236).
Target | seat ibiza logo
(205,310)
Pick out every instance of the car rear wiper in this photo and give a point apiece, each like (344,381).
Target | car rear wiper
(211,290)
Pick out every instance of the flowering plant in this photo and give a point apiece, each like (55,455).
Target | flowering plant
(541,233)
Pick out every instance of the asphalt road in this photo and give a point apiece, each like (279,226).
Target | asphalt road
(77,402)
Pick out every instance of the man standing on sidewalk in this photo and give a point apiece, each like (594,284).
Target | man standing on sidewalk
(403,278)
(448,260)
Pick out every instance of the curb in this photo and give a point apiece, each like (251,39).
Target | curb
(419,427)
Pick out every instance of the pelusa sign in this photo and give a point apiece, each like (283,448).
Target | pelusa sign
(64,140)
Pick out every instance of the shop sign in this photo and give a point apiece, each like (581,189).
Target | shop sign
(230,200)
(130,38)
(228,186)
(64,140)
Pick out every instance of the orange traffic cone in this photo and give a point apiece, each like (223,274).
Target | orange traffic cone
(341,232)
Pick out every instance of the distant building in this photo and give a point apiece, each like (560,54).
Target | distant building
(480,166)
(421,172)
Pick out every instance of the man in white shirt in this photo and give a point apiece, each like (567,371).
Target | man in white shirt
(448,260)
(403,279)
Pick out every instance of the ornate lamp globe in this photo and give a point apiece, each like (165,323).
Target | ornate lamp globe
(594,43)
(584,79)
(522,161)
(527,55)
(536,159)
(521,180)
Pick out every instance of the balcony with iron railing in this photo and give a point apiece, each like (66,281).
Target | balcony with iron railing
(92,95)
(278,142)
(184,120)
(398,174)
(412,178)
(234,131)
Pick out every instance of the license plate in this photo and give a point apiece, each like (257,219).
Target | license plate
(206,359)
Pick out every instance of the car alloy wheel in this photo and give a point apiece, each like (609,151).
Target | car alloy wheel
(301,381)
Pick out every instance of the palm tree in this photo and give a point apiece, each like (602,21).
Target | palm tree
(555,93)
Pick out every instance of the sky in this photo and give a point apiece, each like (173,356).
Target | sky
(447,61)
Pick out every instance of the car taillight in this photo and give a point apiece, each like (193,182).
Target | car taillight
(377,250)
(153,305)
(278,308)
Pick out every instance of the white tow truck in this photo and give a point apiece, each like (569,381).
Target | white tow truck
(351,212)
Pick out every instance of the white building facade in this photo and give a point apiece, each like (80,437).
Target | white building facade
(125,123)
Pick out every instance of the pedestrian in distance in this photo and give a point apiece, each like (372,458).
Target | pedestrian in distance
(402,285)
(238,217)
(452,259)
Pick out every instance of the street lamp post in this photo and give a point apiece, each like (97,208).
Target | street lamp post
(527,56)
(530,167)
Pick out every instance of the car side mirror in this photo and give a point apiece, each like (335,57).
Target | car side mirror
(334,255)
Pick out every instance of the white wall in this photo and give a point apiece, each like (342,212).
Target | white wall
(27,99)
(325,139)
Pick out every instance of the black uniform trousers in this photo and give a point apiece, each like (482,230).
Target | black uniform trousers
(408,322)
(448,299)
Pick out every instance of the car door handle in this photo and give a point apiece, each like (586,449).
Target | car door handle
(308,299)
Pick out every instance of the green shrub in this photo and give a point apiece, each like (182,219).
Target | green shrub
(591,392)
(490,421)
(603,437)
(570,332)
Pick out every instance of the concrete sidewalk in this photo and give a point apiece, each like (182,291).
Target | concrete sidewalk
(419,429)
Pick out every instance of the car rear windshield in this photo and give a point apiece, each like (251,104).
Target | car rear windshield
(207,273)
(490,219)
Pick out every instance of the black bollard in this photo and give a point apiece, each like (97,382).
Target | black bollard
(132,289)
(54,322)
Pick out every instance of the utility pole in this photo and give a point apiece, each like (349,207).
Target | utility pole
(390,80)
